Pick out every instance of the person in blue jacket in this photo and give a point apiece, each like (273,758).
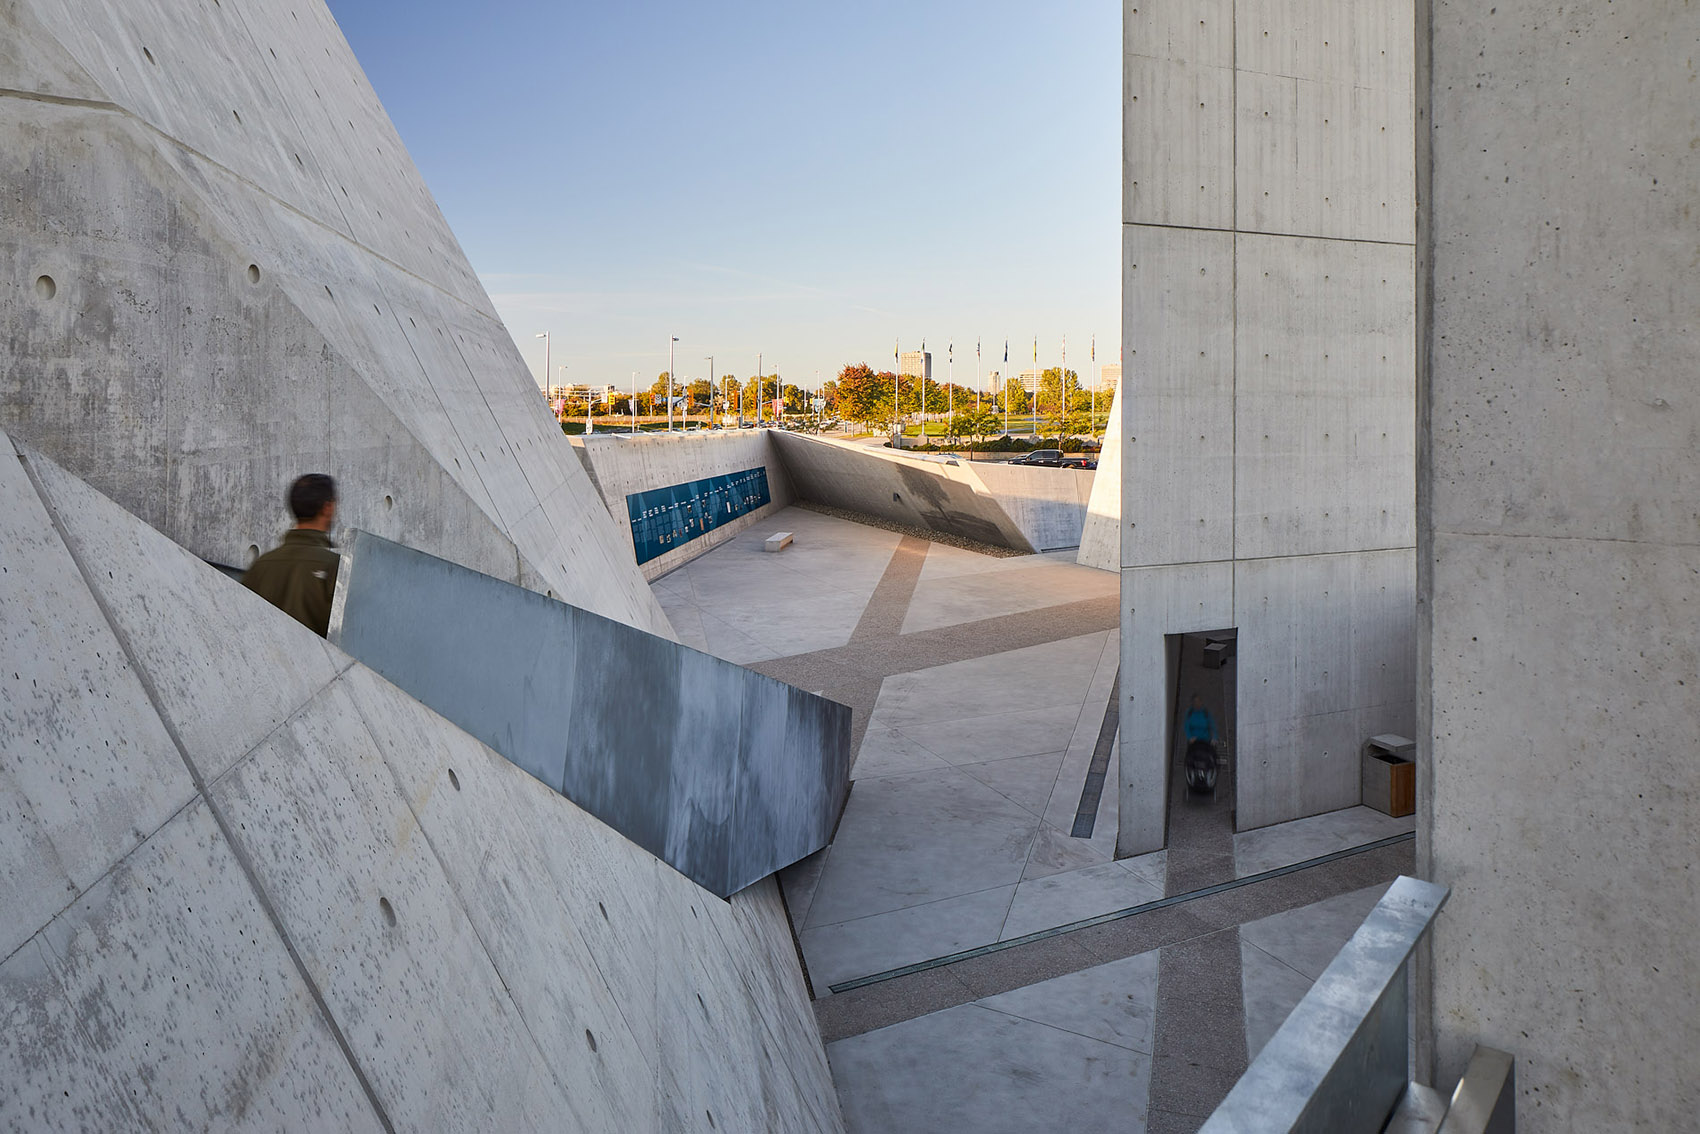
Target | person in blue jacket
(1199,724)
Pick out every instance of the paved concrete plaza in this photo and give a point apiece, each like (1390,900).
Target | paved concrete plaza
(980,687)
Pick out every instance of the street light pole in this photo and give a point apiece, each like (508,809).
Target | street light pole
(711,386)
(544,335)
(671,339)
(634,403)
(761,389)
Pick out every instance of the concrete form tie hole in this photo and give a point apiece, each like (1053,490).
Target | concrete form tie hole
(603,909)
(590,1039)
(388,911)
(45,287)
(149,56)
(454,780)
(253,273)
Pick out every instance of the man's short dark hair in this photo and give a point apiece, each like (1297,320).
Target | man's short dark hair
(309,495)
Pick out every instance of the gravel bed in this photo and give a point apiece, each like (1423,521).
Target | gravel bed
(910,530)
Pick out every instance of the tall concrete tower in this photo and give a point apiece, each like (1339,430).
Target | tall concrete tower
(1268,415)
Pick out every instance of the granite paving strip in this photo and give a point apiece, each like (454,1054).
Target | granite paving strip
(1200,1049)
(930,990)
(851,674)
(889,604)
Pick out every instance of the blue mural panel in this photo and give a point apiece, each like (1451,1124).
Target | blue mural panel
(665,518)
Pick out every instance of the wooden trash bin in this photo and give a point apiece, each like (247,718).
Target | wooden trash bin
(1389,775)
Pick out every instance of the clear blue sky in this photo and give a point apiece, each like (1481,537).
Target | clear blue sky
(808,181)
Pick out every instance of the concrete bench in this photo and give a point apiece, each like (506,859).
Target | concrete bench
(778,541)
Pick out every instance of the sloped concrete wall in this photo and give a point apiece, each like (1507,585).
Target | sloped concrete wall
(725,774)
(620,464)
(930,494)
(1267,477)
(1101,533)
(1561,552)
(1048,505)
(248,883)
(219,269)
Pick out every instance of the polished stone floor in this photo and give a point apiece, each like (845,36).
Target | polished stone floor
(979,688)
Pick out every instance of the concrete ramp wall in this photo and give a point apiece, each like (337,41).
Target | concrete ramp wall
(222,270)
(725,774)
(624,464)
(1101,534)
(247,883)
(1007,506)
(1048,505)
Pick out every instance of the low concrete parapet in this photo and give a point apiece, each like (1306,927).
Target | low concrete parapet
(724,774)
(1338,1065)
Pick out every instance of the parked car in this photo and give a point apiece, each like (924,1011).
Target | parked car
(1048,458)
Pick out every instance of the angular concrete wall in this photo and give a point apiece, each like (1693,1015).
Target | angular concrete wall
(1561,556)
(1028,509)
(1268,411)
(922,493)
(725,774)
(620,464)
(219,269)
(248,883)
(1101,532)
(1048,505)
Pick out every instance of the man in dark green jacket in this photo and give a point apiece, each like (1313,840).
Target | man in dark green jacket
(299,576)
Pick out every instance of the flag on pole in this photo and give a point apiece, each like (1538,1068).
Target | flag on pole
(1006,352)
(1094,348)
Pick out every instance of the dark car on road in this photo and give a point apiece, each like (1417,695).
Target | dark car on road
(1048,458)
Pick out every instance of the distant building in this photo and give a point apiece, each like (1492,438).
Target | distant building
(581,393)
(1110,375)
(916,364)
(1030,380)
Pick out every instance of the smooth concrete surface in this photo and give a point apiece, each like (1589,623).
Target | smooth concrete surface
(1266,450)
(724,774)
(251,884)
(250,281)
(957,832)
(746,606)
(620,464)
(969,772)
(1561,548)
(1048,505)
(1100,535)
(1300,840)
(1070,1053)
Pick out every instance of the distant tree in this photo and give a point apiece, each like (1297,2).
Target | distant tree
(701,392)
(1016,398)
(863,395)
